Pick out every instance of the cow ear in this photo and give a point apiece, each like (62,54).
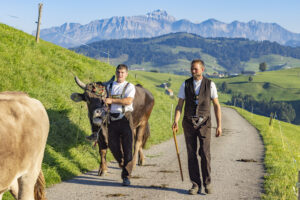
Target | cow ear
(77,97)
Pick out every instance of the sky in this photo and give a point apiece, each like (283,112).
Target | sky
(23,14)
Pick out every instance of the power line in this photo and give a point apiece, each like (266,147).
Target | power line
(84,44)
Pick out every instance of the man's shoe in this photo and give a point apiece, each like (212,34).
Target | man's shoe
(208,189)
(92,137)
(194,190)
(126,182)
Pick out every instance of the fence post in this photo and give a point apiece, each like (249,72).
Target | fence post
(271,118)
(38,23)
(171,114)
(298,185)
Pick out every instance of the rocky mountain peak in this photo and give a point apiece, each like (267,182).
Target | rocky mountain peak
(160,15)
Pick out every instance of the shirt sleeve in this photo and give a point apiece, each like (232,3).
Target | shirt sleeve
(213,91)
(130,91)
(181,93)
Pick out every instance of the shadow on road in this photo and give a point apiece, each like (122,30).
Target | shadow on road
(112,183)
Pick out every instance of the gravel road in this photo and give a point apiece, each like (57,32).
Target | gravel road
(160,178)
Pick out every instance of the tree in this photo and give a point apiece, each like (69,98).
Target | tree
(263,66)
(250,79)
(224,86)
(266,85)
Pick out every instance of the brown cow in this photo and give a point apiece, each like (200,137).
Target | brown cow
(94,94)
(24,127)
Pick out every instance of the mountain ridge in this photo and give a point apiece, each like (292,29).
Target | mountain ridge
(159,22)
(173,51)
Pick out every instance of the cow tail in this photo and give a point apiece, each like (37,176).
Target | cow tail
(39,187)
(146,135)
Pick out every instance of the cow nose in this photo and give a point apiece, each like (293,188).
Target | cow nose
(97,112)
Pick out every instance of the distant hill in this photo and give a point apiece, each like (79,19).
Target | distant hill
(159,22)
(173,53)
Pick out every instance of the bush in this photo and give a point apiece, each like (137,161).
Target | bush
(250,79)
(266,85)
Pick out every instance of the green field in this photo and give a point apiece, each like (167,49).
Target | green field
(46,72)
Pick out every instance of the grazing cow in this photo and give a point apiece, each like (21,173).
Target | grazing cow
(143,102)
(24,127)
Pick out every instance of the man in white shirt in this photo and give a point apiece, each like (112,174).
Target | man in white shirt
(197,92)
(121,94)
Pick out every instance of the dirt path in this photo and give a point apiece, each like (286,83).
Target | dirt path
(160,177)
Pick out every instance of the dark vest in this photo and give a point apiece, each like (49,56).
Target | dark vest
(204,98)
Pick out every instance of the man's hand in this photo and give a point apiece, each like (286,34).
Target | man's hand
(108,100)
(218,131)
(175,126)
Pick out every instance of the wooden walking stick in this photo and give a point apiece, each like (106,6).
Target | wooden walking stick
(177,151)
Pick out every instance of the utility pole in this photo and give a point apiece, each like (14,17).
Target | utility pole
(38,23)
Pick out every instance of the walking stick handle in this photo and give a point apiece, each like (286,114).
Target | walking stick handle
(177,151)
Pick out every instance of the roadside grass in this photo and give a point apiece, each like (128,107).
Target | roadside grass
(282,155)
(46,72)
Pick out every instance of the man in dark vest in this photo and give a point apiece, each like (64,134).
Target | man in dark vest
(121,94)
(198,92)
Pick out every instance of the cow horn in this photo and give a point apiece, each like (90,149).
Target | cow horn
(110,81)
(80,83)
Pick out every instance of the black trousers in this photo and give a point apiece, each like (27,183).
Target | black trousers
(120,143)
(191,136)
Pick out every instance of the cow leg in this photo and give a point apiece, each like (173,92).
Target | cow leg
(103,165)
(141,160)
(1,195)
(138,144)
(102,150)
(14,189)
(26,186)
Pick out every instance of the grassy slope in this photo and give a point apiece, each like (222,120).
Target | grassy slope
(45,71)
(282,155)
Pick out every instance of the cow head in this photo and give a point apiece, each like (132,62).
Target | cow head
(94,95)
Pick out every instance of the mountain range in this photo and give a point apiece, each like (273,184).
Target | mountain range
(159,22)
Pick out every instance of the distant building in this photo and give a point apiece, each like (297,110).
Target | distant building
(164,85)
(138,69)
(169,92)
(215,75)
(233,74)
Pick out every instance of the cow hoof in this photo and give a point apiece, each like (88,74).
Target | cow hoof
(102,172)
(141,162)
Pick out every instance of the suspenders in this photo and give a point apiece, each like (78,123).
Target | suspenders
(118,96)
